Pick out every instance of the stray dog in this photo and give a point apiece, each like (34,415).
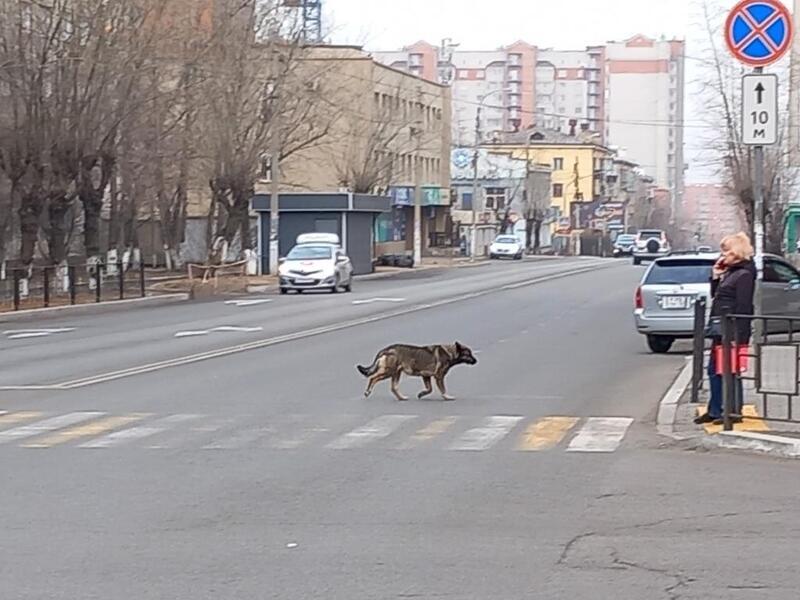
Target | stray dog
(427,362)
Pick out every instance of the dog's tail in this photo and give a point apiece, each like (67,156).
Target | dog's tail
(370,370)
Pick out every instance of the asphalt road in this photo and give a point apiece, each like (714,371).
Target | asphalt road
(246,464)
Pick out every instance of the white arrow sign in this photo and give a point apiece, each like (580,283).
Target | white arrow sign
(760,110)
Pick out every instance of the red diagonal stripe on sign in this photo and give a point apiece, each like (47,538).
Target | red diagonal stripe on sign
(759,31)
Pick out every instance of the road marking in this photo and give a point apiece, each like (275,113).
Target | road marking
(182,438)
(299,335)
(482,438)
(19,417)
(118,438)
(251,302)
(427,433)
(546,433)
(600,434)
(20,334)
(377,429)
(751,422)
(224,328)
(301,438)
(40,427)
(372,300)
(240,439)
(89,430)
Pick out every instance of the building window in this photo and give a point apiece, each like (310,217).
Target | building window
(463,73)
(579,111)
(558,190)
(562,73)
(558,164)
(466,201)
(495,198)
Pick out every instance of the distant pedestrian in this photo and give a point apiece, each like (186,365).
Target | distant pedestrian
(732,288)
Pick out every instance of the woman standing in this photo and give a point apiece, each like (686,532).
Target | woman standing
(732,288)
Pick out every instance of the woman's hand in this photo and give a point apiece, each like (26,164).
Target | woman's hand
(719,268)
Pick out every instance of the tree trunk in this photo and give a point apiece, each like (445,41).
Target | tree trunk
(57,229)
(92,201)
(537,236)
(30,211)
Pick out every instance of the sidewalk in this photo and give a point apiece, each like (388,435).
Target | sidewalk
(676,415)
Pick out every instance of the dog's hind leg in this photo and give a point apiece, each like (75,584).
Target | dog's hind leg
(375,379)
(442,388)
(428,388)
(395,391)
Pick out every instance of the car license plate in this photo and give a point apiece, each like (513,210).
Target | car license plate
(675,302)
(303,280)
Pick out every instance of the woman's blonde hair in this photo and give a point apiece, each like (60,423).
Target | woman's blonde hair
(739,244)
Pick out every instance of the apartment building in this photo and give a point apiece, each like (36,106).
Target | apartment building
(708,213)
(630,94)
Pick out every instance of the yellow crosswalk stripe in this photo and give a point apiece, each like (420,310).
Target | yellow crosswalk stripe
(545,433)
(430,431)
(754,423)
(19,417)
(88,430)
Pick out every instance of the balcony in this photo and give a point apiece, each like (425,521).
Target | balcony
(515,101)
(514,75)
(515,60)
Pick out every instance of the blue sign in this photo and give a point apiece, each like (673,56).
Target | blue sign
(461,158)
(758,32)
(402,196)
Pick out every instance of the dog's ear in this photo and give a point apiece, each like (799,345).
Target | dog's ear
(459,347)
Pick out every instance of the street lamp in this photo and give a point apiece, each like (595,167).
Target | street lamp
(476,147)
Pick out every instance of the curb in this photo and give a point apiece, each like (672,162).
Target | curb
(92,308)
(762,443)
(748,441)
(668,407)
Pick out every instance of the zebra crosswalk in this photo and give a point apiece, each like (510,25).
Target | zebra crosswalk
(97,430)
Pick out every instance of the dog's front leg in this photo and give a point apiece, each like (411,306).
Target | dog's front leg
(442,388)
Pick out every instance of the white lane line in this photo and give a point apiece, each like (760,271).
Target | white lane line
(224,328)
(377,429)
(21,334)
(299,335)
(240,439)
(118,438)
(251,302)
(372,300)
(600,434)
(493,430)
(46,426)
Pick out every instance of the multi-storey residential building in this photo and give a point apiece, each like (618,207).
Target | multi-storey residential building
(631,94)
(645,83)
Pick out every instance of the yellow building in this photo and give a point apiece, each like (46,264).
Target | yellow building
(579,167)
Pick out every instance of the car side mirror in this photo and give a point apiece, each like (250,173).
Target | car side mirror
(281,261)
(794,285)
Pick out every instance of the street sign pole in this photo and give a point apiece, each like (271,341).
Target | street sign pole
(758,222)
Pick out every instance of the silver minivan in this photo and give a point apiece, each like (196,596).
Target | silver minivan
(664,303)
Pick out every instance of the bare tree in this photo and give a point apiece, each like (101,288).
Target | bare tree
(253,89)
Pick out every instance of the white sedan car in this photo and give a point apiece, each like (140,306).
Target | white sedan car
(316,264)
(507,246)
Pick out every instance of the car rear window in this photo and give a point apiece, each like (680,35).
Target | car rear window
(650,233)
(679,272)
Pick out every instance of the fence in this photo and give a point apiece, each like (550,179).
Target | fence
(49,286)
(766,370)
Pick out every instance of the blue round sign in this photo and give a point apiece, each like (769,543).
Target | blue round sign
(461,158)
(758,32)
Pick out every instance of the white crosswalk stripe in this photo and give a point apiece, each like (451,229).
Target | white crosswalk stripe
(125,436)
(287,432)
(600,434)
(46,426)
(376,429)
(482,438)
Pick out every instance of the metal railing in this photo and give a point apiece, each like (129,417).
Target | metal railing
(48,286)
(771,363)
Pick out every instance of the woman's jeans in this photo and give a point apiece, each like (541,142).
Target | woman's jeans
(715,403)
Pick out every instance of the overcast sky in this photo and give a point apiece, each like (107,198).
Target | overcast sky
(560,24)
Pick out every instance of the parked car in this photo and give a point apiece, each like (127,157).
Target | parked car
(507,246)
(664,302)
(624,244)
(650,245)
(316,262)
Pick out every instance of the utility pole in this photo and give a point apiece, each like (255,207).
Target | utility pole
(417,210)
(758,198)
(275,159)
(473,245)
(794,94)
